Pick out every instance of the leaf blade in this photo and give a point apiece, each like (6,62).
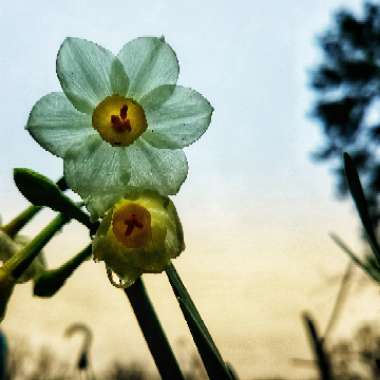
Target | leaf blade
(358,196)
(211,357)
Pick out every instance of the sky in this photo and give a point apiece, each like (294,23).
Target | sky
(256,209)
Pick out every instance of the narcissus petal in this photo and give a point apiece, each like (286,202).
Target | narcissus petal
(57,125)
(149,62)
(177,116)
(84,70)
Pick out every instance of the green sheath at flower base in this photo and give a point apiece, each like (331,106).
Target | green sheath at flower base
(139,234)
(121,122)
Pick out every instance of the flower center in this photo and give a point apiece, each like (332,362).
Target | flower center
(119,120)
(131,224)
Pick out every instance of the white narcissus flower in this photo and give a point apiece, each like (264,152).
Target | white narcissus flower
(121,121)
(139,234)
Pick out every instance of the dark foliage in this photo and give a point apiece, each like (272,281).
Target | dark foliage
(358,359)
(134,371)
(347,83)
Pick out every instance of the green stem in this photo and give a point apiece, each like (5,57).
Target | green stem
(75,261)
(50,281)
(21,261)
(154,334)
(15,225)
(316,343)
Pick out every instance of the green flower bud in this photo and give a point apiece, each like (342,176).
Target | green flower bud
(139,234)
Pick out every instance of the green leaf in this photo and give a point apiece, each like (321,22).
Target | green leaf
(215,366)
(321,357)
(232,372)
(339,242)
(357,193)
(370,270)
(41,191)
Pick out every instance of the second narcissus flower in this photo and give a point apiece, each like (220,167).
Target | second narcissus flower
(139,234)
(121,121)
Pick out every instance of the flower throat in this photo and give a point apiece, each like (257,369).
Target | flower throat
(119,120)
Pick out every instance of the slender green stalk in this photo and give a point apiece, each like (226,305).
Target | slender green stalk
(322,359)
(50,281)
(75,261)
(153,333)
(15,225)
(340,243)
(21,261)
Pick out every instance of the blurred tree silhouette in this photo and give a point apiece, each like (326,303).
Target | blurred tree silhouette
(347,83)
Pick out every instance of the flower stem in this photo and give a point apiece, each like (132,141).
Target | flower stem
(15,225)
(50,281)
(153,333)
(21,261)
(75,261)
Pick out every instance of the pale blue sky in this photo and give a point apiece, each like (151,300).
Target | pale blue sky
(253,197)
(249,58)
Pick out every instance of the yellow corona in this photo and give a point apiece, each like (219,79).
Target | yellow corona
(119,120)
